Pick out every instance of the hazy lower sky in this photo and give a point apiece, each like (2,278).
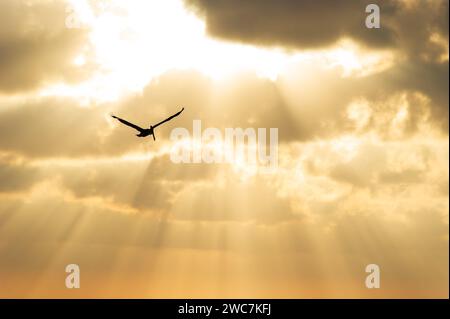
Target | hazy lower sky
(362,177)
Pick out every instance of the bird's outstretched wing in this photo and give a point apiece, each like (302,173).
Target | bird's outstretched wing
(169,118)
(128,123)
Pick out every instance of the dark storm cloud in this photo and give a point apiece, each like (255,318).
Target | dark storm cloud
(309,24)
(288,23)
(36,46)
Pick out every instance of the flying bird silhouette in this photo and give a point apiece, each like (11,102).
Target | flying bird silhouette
(143,132)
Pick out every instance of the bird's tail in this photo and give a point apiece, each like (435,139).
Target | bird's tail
(153,132)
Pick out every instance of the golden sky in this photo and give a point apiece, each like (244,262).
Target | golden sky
(362,177)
